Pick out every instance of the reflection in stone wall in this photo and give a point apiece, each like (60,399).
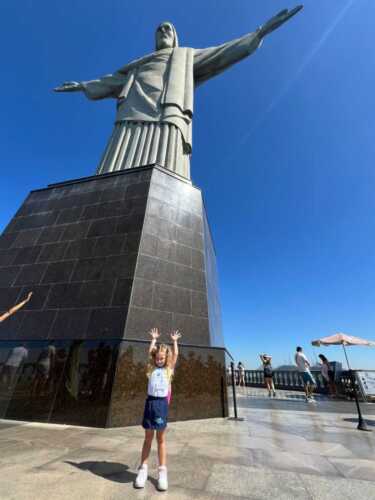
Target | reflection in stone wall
(198,389)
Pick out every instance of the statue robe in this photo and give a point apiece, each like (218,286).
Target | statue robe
(155,103)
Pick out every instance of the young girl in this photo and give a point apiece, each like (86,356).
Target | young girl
(162,361)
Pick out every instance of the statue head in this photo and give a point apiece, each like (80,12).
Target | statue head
(166,36)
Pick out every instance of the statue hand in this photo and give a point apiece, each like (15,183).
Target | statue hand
(69,87)
(276,21)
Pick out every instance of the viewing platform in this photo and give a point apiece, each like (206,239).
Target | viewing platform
(284,448)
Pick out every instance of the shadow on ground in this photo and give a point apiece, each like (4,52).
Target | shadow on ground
(113,471)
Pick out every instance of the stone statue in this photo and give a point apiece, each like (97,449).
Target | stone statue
(155,97)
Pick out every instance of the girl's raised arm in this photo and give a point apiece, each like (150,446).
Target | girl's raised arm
(154,332)
(175,336)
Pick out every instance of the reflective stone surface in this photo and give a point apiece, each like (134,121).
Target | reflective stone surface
(75,245)
(199,388)
(175,283)
(107,258)
(61,381)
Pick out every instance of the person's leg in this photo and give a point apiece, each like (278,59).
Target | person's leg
(147,443)
(140,480)
(273,387)
(268,385)
(162,448)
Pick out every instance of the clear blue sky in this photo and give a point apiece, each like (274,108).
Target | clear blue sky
(283,149)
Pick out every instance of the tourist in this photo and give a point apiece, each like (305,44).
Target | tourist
(241,373)
(303,366)
(15,308)
(268,373)
(12,365)
(328,375)
(162,361)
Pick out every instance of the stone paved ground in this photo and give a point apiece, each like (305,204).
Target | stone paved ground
(284,449)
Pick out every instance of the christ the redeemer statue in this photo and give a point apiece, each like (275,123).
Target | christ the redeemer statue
(155,97)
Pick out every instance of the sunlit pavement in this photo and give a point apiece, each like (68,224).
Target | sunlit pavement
(284,449)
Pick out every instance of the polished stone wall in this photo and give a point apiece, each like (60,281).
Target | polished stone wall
(107,258)
(75,245)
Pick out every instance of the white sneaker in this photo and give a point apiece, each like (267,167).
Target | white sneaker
(163,479)
(141,478)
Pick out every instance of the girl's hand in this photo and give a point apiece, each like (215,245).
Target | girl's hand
(175,335)
(154,332)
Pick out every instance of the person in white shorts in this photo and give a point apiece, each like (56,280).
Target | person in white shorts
(303,366)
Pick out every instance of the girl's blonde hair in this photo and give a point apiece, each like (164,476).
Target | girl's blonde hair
(151,365)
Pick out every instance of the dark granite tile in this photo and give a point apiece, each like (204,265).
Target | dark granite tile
(6,240)
(183,276)
(132,242)
(197,242)
(135,190)
(64,295)
(31,274)
(197,259)
(141,320)
(27,238)
(34,221)
(40,294)
(182,301)
(199,304)
(142,293)
(8,275)
(136,205)
(113,194)
(107,323)
(149,245)
(198,280)
(59,272)
(53,251)
(162,209)
(27,255)
(161,228)
(184,219)
(122,292)
(9,297)
(183,255)
(119,266)
(51,234)
(75,231)
(182,322)
(103,227)
(196,223)
(70,323)
(89,269)
(96,294)
(37,324)
(184,236)
(164,297)
(200,331)
(69,215)
(91,212)
(7,257)
(167,272)
(130,223)
(109,245)
(9,329)
(80,249)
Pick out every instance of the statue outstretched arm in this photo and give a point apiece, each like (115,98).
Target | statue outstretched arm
(107,86)
(214,60)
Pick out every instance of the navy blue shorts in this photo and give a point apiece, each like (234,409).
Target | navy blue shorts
(156,413)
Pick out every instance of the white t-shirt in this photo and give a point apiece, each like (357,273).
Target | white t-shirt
(302,362)
(17,355)
(158,383)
